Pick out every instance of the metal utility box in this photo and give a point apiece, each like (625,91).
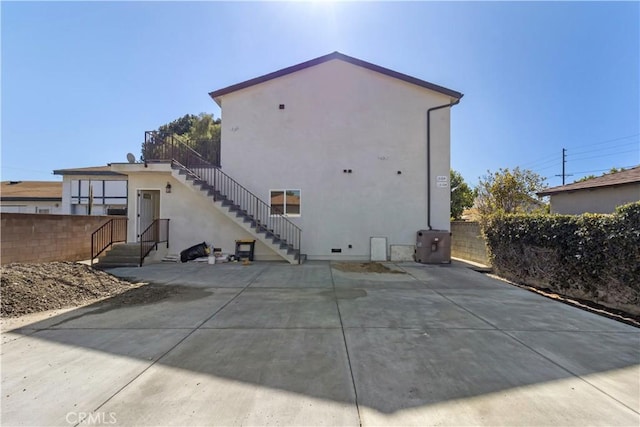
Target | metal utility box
(433,247)
(378,249)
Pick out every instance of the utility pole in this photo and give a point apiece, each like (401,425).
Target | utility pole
(564,162)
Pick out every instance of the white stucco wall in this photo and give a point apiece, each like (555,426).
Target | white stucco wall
(597,200)
(339,116)
(193,217)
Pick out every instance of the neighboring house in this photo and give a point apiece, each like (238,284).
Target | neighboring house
(43,197)
(316,160)
(100,188)
(596,195)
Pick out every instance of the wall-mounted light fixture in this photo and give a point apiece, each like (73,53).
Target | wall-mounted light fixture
(168,188)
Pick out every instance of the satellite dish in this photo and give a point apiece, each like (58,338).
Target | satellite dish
(131,158)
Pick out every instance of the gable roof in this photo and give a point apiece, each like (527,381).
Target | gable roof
(30,190)
(93,170)
(618,178)
(322,59)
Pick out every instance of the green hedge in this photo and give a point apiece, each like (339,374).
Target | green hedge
(590,256)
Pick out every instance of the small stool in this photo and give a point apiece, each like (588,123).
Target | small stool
(244,249)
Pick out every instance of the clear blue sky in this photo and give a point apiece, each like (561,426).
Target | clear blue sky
(81,82)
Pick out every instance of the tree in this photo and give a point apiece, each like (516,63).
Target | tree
(588,177)
(509,191)
(201,133)
(585,178)
(462,195)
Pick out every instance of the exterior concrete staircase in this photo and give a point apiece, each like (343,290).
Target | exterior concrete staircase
(247,210)
(120,255)
(276,232)
(128,255)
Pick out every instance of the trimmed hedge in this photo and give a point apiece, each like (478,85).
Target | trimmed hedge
(594,257)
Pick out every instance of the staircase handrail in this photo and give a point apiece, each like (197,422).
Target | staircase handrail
(267,219)
(112,231)
(153,235)
(170,147)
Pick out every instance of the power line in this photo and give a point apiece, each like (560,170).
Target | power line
(608,140)
(542,169)
(604,170)
(611,147)
(554,160)
(607,155)
(544,159)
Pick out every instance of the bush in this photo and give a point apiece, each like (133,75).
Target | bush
(591,256)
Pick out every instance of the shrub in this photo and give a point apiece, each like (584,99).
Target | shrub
(590,256)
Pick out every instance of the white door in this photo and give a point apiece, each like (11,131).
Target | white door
(148,209)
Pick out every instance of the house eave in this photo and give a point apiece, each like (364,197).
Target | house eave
(86,173)
(552,192)
(30,199)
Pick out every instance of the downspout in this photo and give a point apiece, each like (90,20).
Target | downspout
(451,104)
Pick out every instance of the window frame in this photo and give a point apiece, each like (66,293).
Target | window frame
(284,191)
(103,197)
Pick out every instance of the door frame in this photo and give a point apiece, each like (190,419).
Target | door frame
(156,208)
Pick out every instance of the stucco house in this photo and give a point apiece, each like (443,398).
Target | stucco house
(318,160)
(43,197)
(97,186)
(597,195)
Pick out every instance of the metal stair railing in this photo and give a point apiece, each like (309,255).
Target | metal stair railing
(263,217)
(112,231)
(156,232)
(174,147)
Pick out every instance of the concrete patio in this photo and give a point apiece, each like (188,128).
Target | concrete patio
(274,344)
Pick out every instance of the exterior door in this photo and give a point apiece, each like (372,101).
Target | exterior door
(148,209)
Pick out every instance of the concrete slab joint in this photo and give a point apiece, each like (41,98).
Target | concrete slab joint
(274,344)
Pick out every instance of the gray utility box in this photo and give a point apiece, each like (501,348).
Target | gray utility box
(433,247)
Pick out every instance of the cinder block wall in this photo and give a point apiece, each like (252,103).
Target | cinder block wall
(44,238)
(467,242)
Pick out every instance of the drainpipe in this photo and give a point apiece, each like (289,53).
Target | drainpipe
(451,104)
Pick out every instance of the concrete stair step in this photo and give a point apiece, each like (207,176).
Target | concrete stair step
(125,248)
(126,259)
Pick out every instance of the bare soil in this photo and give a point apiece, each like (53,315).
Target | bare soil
(364,267)
(32,288)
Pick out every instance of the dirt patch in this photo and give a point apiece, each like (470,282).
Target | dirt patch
(32,288)
(364,267)
(146,294)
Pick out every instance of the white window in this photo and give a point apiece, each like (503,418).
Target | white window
(285,202)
